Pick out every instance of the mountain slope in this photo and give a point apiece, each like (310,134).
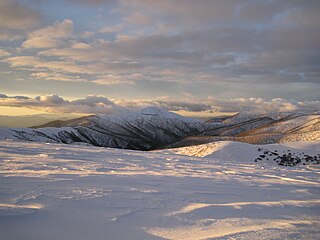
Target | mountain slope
(146,129)
(154,128)
(260,129)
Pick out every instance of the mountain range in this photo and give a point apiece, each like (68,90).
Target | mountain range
(155,128)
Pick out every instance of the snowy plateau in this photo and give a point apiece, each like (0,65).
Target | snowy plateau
(203,188)
(211,191)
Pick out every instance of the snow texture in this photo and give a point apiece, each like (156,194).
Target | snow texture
(212,191)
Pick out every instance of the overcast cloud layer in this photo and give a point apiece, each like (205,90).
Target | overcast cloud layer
(264,52)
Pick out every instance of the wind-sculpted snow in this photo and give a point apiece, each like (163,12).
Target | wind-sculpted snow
(215,191)
(273,153)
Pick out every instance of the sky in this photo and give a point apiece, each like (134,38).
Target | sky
(190,56)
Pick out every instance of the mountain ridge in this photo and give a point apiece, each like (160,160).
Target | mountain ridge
(155,128)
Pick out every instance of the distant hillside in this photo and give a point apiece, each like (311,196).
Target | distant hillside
(260,129)
(22,121)
(30,120)
(146,129)
(155,128)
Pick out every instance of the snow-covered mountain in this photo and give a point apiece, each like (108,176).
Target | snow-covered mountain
(146,129)
(261,129)
(153,128)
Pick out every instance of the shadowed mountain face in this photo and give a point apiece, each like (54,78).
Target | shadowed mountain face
(154,128)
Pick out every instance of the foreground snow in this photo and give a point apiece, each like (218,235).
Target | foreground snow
(228,151)
(52,191)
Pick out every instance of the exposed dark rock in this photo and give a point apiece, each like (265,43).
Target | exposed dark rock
(289,159)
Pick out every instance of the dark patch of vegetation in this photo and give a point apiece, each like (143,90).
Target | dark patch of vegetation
(288,159)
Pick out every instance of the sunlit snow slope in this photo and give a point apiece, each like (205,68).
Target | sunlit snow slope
(75,192)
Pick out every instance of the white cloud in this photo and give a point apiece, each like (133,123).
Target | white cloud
(42,42)
(112,29)
(101,73)
(34,63)
(56,104)
(99,104)
(56,76)
(51,36)
(78,51)
(50,99)
(4,53)
(256,105)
